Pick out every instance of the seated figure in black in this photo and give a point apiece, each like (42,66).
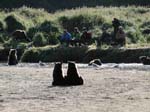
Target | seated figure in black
(12,58)
(58,78)
(105,38)
(86,37)
(145,60)
(73,77)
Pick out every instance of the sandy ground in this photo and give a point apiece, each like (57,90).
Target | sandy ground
(28,89)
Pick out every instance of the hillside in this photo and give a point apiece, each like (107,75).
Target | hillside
(48,26)
(53,5)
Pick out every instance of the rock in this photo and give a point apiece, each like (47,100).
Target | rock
(145,60)
(95,61)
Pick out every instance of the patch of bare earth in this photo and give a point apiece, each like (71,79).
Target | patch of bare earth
(28,89)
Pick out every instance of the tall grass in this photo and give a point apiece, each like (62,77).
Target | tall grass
(133,19)
(53,5)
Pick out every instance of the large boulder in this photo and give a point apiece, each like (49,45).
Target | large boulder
(145,60)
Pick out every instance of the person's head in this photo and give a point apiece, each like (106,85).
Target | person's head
(76,29)
(84,29)
(120,28)
(115,19)
(104,29)
(65,30)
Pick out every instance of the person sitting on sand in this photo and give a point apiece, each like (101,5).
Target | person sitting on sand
(66,37)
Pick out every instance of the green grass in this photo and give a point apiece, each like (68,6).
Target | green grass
(133,19)
(53,5)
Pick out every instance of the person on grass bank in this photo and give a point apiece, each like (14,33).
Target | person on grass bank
(76,37)
(105,38)
(121,37)
(115,23)
(65,38)
(86,36)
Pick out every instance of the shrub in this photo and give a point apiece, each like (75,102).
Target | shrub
(32,31)
(48,26)
(30,55)
(1,38)
(145,24)
(10,44)
(134,36)
(1,26)
(13,23)
(53,38)
(54,54)
(126,24)
(40,40)
(49,29)
(80,21)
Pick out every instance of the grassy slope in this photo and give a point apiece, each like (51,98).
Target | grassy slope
(53,5)
(133,18)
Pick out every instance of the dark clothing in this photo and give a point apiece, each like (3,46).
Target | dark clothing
(121,37)
(105,38)
(66,38)
(86,37)
(116,23)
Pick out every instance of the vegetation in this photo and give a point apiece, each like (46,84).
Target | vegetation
(53,5)
(84,54)
(43,28)
(133,19)
(51,54)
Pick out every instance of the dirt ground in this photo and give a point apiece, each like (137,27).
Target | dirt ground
(28,89)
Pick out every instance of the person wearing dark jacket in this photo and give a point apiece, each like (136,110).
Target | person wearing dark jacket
(115,23)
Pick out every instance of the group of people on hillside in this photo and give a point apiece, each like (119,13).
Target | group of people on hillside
(74,38)
(118,37)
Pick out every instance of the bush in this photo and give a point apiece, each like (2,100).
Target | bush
(126,24)
(145,25)
(80,21)
(32,31)
(54,54)
(1,26)
(13,23)
(30,55)
(1,38)
(10,44)
(48,26)
(53,38)
(49,29)
(40,40)
(134,36)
